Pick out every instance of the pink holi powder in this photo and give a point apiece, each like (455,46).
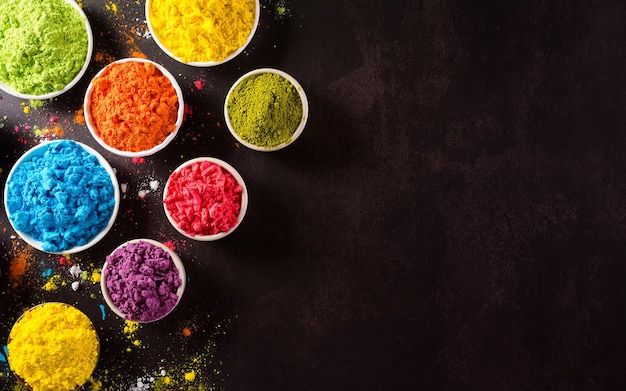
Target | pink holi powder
(203,199)
(199,85)
(139,160)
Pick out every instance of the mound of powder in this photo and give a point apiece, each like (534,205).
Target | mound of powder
(53,346)
(142,281)
(43,45)
(203,198)
(63,197)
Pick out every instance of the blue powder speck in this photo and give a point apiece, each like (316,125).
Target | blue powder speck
(104,315)
(63,197)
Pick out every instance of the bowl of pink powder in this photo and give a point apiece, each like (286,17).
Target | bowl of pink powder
(142,280)
(205,199)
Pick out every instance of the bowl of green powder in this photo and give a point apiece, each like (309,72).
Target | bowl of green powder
(266,109)
(45,47)
(202,33)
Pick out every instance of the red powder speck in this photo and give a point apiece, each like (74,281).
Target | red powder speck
(54,119)
(187,111)
(64,261)
(139,160)
(170,245)
(199,85)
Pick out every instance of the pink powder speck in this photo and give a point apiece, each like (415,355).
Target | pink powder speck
(199,85)
(139,160)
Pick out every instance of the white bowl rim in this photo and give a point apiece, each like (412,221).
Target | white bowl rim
(179,119)
(205,64)
(116,192)
(177,262)
(244,199)
(303,99)
(90,45)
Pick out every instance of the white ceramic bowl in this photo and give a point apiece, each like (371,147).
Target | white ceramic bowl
(179,292)
(90,41)
(303,99)
(204,64)
(179,119)
(39,150)
(77,312)
(242,210)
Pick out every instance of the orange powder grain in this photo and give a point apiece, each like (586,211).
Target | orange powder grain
(134,106)
(186,331)
(20,261)
(79,118)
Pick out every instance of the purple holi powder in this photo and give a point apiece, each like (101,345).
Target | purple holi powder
(142,281)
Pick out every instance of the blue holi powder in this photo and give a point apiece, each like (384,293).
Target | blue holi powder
(104,315)
(4,354)
(62,197)
(47,273)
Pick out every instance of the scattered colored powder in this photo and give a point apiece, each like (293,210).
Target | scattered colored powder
(265,110)
(186,331)
(111,6)
(62,197)
(54,283)
(26,109)
(134,106)
(20,261)
(130,328)
(190,376)
(43,45)
(203,198)
(104,314)
(142,281)
(202,31)
(53,346)
(199,85)
(79,118)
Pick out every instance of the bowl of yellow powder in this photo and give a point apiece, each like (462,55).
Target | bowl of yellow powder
(53,346)
(202,33)
(134,107)
(45,47)
(266,109)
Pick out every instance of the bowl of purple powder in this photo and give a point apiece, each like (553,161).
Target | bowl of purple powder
(61,197)
(142,280)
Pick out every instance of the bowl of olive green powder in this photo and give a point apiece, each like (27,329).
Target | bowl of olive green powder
(266,109)
(45,47)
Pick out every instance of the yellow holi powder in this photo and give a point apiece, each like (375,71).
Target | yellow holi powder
(130,328)
(202,31)
(111,6)
(190,376)
(53,346)
(54,283)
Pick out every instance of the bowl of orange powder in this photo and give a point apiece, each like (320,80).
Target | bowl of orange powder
(201,33)
(134,107)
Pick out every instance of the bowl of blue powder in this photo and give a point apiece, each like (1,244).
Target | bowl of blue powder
(61,197)
(142,280)
(45,47)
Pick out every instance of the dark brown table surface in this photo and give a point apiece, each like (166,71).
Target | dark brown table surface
(453,216)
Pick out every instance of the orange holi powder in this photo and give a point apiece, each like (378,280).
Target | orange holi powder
(134,106)
(20,261)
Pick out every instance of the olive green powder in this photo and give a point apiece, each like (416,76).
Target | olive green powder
(43,45)
(265,110)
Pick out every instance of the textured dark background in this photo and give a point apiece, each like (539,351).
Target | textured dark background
(452,217)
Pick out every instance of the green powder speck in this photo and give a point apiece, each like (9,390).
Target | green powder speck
(43,45)
(265,110)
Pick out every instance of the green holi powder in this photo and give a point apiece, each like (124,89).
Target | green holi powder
(43,45)
(265,110)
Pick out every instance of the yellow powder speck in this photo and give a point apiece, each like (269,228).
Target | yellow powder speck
(137,342)
(130,328)
(54,283)
(95,277)
(26,109)
(111,6)
(190,376)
